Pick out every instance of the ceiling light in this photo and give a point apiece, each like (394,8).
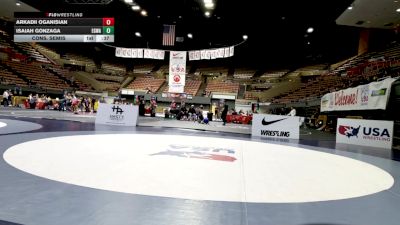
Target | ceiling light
(138,34)
(190,35)
(308,43)
(143,12)
(18,4)
(398,10)
(207,1)
(310,30)
(350,7)
(245,37)
(135,8)
(128,1)
(209,5)
(207,14)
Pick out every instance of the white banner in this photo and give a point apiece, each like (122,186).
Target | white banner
(374,133)
(226,52)
(208,54)
(374,95)
(221,53)
(140,53)
(213,56)
(120,115)
(177,71)
(134,53)
(203,54)
(146,54)
(197,55)
(161,54)
(191,56)
(275,126)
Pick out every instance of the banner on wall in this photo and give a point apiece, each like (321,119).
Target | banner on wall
(177,71)
(374,133)
(275,126)
(370,96)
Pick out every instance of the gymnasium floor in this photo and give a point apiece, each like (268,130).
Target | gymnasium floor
(67,170)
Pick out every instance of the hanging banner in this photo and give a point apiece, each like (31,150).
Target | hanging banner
(226,52)
(197,55)
(221,53)
(134,53)
(140,53)
(231,49)
(177,71)
(370,96)
(160,54)
(191,56)
(146,54)
(203,54)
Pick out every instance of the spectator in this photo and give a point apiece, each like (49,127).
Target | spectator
(5,98)
(224,114)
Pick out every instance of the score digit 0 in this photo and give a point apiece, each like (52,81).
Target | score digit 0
(108,21)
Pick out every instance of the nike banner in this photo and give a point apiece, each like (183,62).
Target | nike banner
(275,126)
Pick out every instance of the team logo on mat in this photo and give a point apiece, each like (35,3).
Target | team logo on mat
(349,131)
(189,151)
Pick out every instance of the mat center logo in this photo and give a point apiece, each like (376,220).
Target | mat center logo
(349,131)
(189,151)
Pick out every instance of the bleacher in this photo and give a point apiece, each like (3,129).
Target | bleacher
(191,87)
(222,87)
(8,78)
(32,52)
(67,75)
(37,75)
(146,83)
(79,59)
(243,74)
(143,69)
(274,74)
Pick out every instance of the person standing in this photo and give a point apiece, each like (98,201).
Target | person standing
(224,114)
(5,98)
(292,112)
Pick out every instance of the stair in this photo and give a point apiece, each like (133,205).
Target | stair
(72,84)
(241,91)
(201,89)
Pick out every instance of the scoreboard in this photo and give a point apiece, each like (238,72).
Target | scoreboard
(62,27)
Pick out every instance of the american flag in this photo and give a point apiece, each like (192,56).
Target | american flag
(168,35)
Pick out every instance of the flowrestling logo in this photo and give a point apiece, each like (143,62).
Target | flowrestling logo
(190,151)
